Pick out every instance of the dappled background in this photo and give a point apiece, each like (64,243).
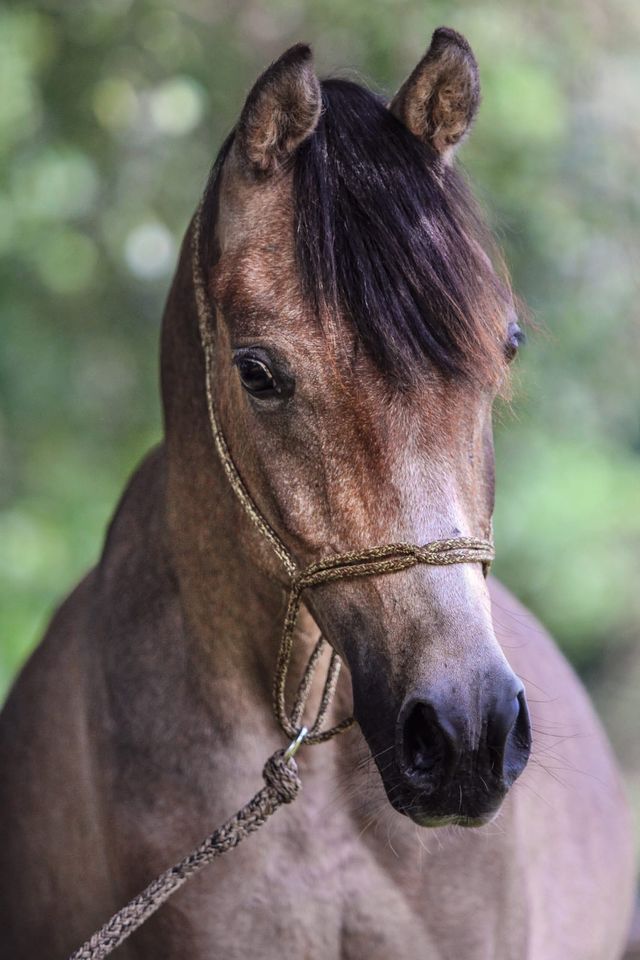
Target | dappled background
(110,116)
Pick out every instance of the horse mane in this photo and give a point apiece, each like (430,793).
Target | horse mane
(389,236)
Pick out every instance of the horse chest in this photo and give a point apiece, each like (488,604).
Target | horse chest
(415,894)
(330,894)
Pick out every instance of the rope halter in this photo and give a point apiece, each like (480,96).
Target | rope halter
(390,558)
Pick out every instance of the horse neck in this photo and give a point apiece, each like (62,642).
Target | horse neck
(231,588)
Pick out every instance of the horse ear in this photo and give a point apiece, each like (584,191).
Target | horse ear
(440,99)
(281,111)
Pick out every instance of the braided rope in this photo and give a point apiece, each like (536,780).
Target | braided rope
(282,783)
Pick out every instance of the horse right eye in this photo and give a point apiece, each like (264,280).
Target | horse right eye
(515,339)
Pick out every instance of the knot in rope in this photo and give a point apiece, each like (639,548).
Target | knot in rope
(281,777)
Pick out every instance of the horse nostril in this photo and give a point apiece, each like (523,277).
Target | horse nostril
(501,722)
(509,736)
(521,734)
(428,746)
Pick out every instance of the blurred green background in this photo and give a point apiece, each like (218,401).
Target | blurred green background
(110,115)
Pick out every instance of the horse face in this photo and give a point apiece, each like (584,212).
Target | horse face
(341,454)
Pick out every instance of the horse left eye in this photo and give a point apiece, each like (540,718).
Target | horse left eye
(256,377)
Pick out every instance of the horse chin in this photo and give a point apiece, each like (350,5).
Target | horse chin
(428,820)
(429,815)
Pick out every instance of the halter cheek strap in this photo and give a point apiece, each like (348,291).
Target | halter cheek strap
(390,558)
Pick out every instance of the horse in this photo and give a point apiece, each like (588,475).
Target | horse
(360,326)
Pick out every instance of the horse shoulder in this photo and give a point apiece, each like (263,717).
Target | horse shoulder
(56,884)
(52,870)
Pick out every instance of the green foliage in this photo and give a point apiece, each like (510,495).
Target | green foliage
(110,116)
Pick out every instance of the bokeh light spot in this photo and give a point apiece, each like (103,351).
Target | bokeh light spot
(66,261)
(115,103)
(177,106)
(149,250)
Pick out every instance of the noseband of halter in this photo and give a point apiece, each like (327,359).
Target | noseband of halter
(390,558)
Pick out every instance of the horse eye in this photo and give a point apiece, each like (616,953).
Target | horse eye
(256,377)
(515,339)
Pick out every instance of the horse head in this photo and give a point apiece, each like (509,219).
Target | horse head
(362,328)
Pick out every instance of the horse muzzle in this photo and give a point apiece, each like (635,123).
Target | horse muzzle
(453,765)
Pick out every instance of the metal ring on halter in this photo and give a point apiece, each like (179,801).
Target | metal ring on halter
(293,747)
